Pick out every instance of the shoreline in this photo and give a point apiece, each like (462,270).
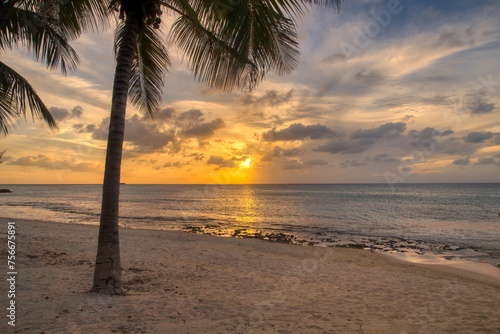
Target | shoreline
(476,270)
(179,282)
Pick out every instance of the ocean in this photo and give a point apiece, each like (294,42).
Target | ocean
(451,220)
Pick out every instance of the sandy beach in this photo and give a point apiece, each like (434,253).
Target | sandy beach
(178,282)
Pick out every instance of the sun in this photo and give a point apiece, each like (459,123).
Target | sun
(246,163)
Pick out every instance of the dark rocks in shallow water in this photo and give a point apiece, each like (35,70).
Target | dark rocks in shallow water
(352,245)
(277,237)
(5,191)
(280,237)
(193,229)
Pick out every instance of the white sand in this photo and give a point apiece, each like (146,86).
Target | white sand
(184,283)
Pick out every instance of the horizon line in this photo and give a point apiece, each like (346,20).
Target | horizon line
(226,184)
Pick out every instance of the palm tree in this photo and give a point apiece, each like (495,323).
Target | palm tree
(43,28)
(229,44)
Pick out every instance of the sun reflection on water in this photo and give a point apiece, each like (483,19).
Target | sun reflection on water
(246,215)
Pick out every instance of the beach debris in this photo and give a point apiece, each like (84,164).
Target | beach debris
(5,191)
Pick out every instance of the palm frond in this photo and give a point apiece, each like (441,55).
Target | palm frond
(80,16)
(211,59)
(7,112)
(16,97)
(296,8)
(326,3)
(230,45)
(44,28)
(150,62)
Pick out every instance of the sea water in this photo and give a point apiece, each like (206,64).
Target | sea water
(454,220)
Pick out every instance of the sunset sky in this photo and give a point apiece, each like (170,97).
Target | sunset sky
(386,91)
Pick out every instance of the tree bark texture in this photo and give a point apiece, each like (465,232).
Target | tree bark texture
(107,274)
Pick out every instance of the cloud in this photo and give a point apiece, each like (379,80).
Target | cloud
(352,163)
(334,58)
(345,147)
(77,112)
(276,152)
(195,156)
(292,164)
(462,162)
(80,128)
(221,162)
(167,131)
(299,131)
(270,98)
(292,152)
(388,130)
(478,137)
(4,158)
(453,39)
(486,161)
(372,76)
(45,162)
(362,140)
(317,162)
(428,133)
(176,164)
(280,152)
(426,140)
(60,114)
(192,123)
(189,118)
(477,103)
(400,101)
(145,136)
(204,130)
(384,158)
(165,114)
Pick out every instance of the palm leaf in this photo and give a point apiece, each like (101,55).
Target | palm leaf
(44,28)
(211,59)
(230,45)
(150,62)
(41,37)
(72,16)
(16,97)
(80,16)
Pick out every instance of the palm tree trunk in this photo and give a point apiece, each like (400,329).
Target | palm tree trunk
(107,274)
